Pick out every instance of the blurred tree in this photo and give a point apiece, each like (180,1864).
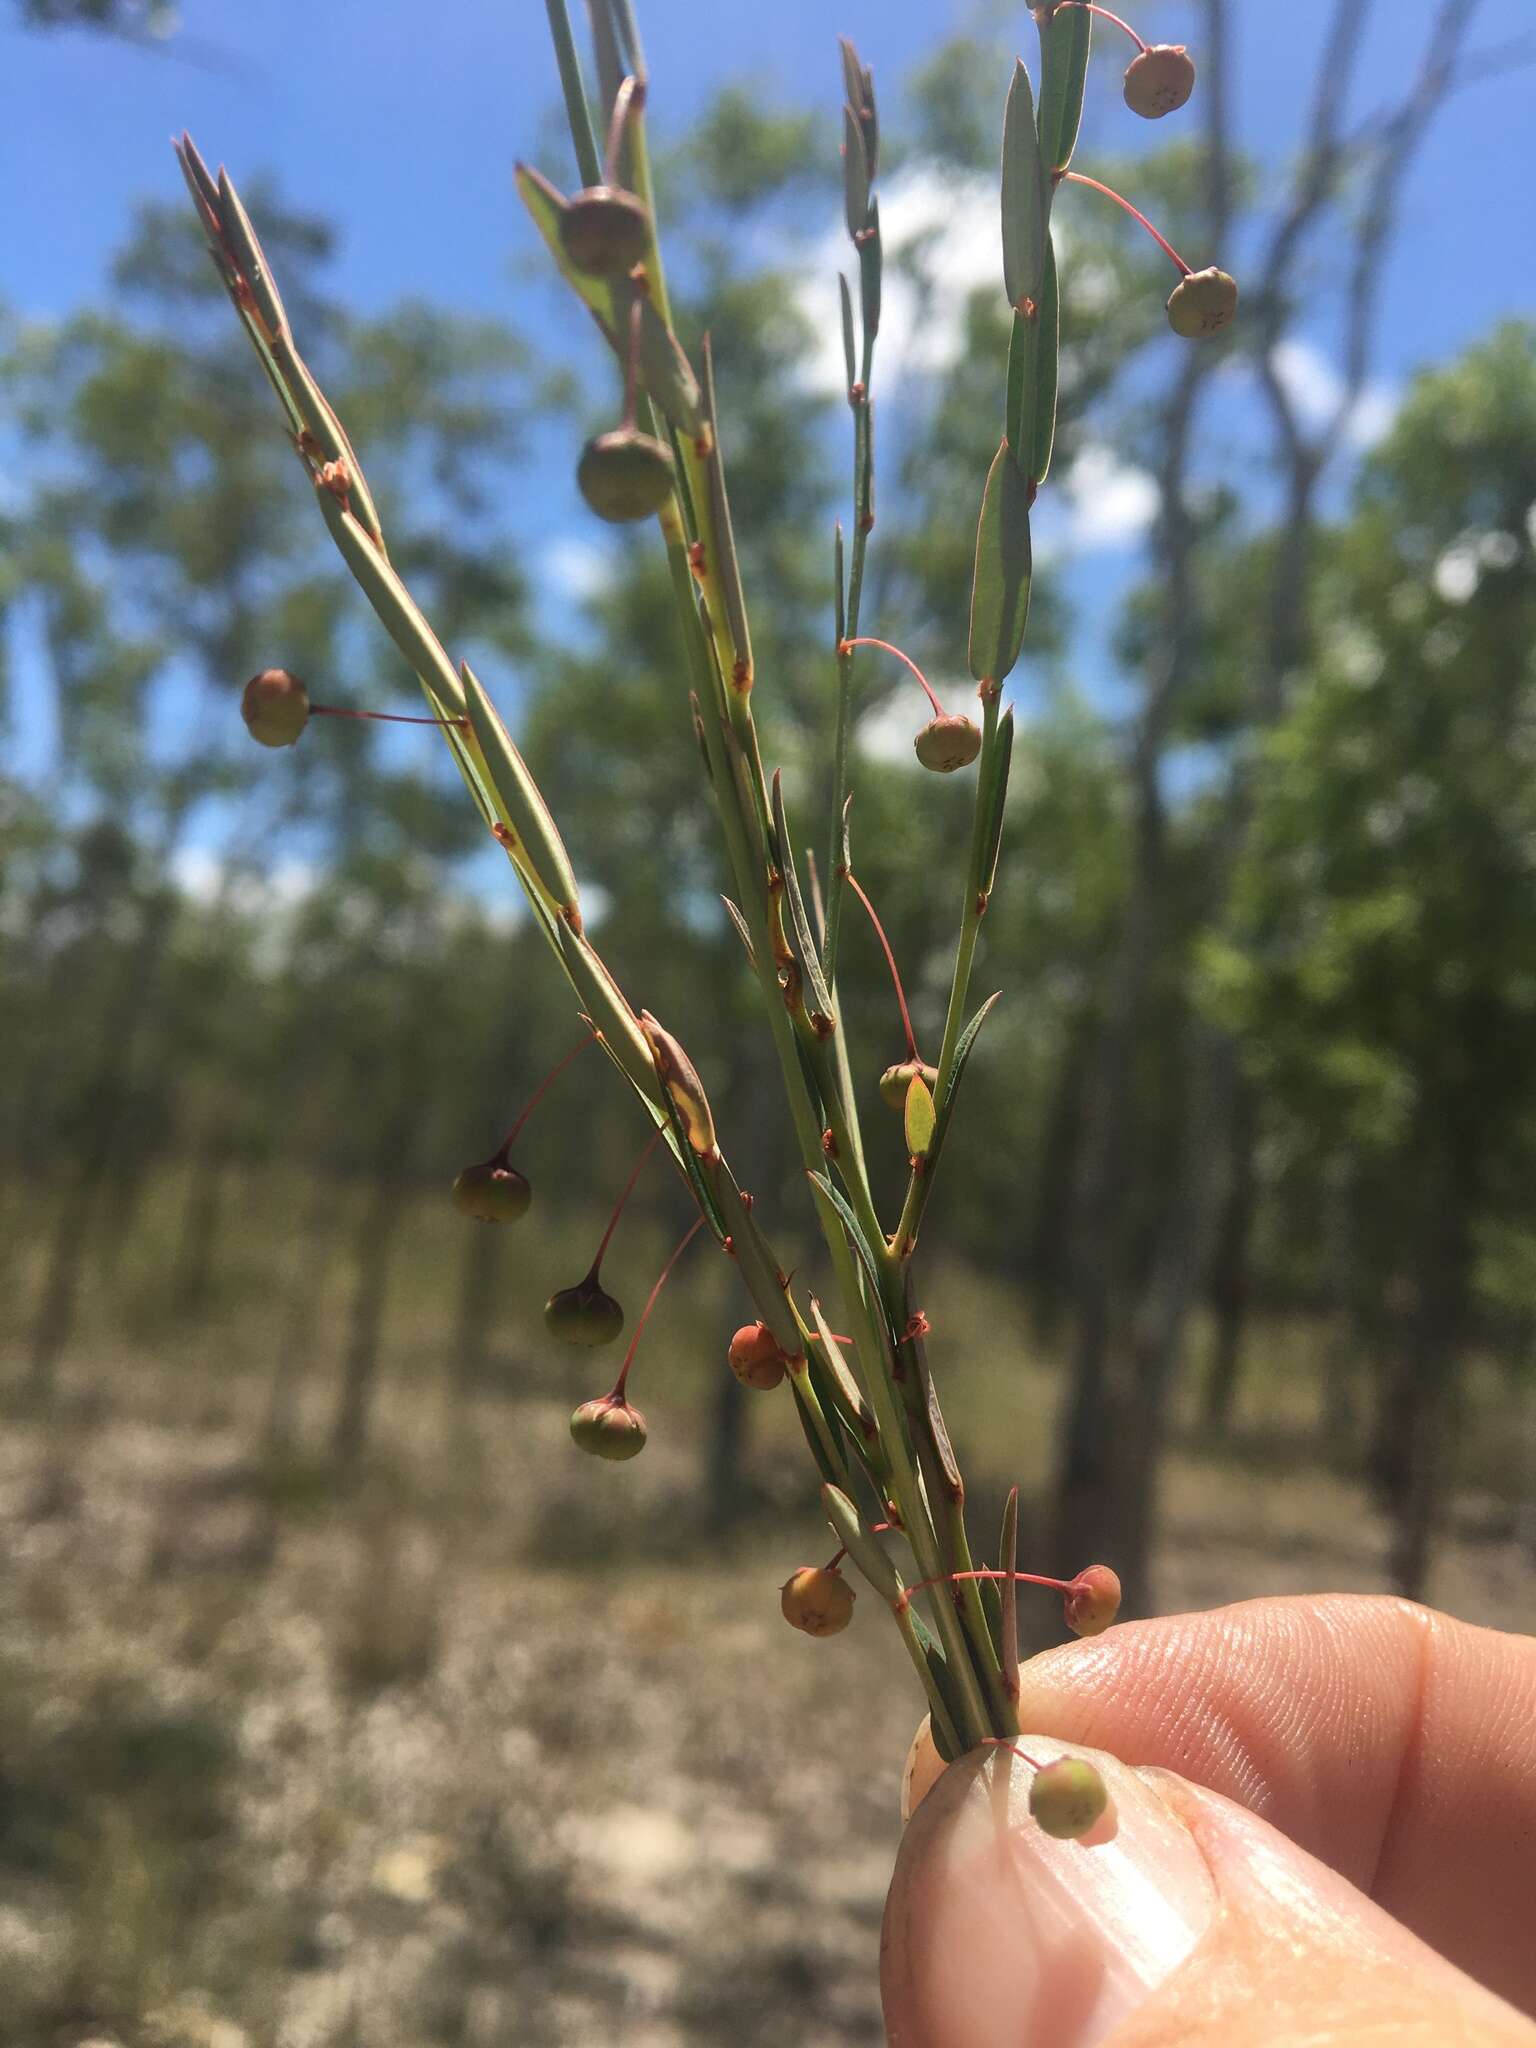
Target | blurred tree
(1380,973)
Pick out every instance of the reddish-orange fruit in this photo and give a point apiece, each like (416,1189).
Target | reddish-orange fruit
(817,1600)
(755,1357)
(275,707)
(1092,1600)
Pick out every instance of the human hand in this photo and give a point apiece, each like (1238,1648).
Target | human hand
(1350,1844)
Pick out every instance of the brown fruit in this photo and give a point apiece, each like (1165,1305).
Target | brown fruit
(624,475)
(609,1429)
(605,232)
(1092,1600)
(755,1357)
(948,743)
(492,1193)
(817,1600)
(1202,304)
(1159,80)
(275,707)
(584,1314)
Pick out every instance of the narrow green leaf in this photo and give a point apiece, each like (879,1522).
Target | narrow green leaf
(1064,43)
(241,238)
(397,609)
(920,1118)
(605,1005)
(850,1222)
(1008,1559)
(963,1048)
(856,1410)
(947,1745)
(1024,196)
(608,50)
(996,799)
(853,73)
(869,116)
(578,111)
(665,371)
(809,1410)
(1000,591)
(741,930)
(520,801)
(727,568)
(545,207)
(848,1527)
(871,270)
(850,361)
(1033,358)
(820,1000)
(855,175)
(839,583)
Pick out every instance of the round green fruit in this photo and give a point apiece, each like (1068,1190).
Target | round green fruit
(624,475)
(583,1314)
(895,1082)
(492,1193)
(275,707)
(1068,1798)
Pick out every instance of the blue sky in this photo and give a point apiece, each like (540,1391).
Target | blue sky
(401,124)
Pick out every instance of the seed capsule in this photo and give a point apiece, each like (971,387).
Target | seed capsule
(948,743)
(817,1600)
(624,475)
(584,1314)
(1092,1600)
(755,1357)
(1159,80)
(275,707)
(610,1429)
(1202,304)
(492,1193)
(1067,1798)
(605,232)
(895,1082)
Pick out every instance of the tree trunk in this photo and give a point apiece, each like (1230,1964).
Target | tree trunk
(310,1258)
(86,1183)
(377,1237)
(478,1270)
(1422,1401)
(202,1219)
(1231,1270)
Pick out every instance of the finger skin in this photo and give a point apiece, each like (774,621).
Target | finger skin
(1286,1954)
(1396,1745)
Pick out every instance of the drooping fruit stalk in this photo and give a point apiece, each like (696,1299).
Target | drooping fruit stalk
(276,707)
(949,740)
(492,1190)
(625,475)
(610,1426)
(1203,302)
(896,1080)
(586,1314)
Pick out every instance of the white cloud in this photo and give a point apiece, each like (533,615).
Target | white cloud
(1112,502)
(200,875)
(948,226)
(1316,389)
(575,568)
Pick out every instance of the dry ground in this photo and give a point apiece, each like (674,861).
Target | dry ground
(492,1746)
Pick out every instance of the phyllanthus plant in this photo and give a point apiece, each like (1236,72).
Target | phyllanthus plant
(892,1489)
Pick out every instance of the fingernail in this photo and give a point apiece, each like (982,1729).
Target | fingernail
(1066,1939)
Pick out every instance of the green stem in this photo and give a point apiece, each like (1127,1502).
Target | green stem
(578,112)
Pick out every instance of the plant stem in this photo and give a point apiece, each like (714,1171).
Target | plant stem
(618,1208)
(1109,192)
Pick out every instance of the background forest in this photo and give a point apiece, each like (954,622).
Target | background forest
(339,1699)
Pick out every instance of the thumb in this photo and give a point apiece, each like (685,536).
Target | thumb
(1190,1922)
